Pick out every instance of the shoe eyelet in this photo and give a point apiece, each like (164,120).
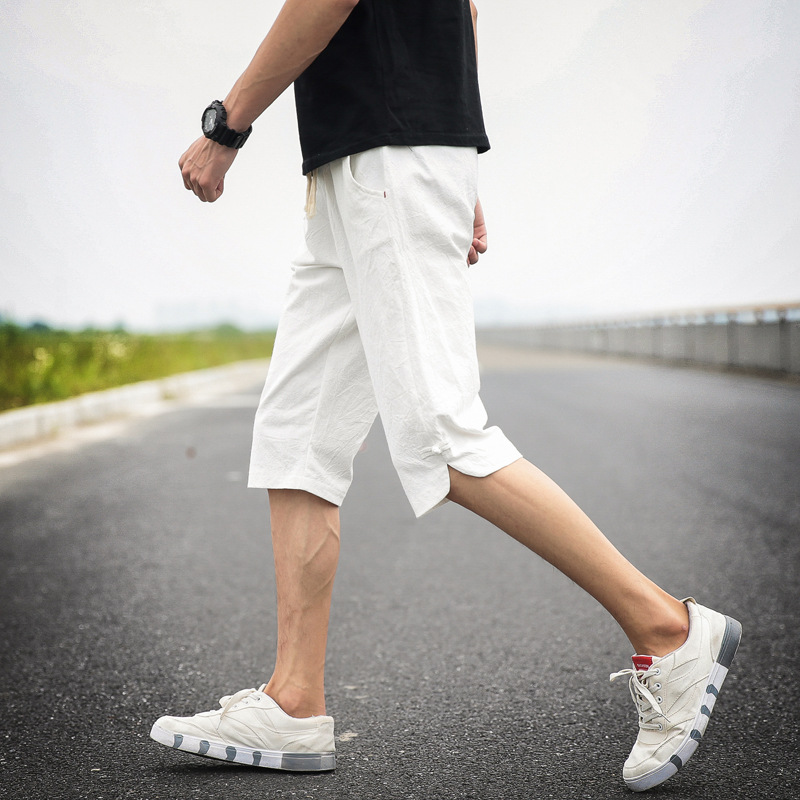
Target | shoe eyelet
(657,671)
(660,727)
(658,686)
(659,699)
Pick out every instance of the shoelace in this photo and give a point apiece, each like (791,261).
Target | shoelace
(230,700)
(647,704)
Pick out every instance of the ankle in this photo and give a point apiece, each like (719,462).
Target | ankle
(297,701)
(666,631)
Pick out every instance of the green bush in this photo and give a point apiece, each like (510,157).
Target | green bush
(39,364)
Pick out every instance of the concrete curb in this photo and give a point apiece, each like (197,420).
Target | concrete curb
(32,423)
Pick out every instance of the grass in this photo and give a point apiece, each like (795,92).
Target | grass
(39,364)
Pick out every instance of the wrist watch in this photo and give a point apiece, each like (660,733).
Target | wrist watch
(215,127)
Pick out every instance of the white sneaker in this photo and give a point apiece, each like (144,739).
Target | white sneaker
(675,695)
(251,728)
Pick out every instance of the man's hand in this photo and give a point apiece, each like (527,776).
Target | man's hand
(479,243)
(203,167)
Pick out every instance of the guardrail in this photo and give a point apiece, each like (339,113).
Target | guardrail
(763,337)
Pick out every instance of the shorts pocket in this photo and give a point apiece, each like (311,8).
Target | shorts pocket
(365,172)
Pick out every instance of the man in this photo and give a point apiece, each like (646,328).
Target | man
(378,319)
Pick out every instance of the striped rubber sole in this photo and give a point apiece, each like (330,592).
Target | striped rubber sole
(271,759)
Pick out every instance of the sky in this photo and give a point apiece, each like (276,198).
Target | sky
(645,158)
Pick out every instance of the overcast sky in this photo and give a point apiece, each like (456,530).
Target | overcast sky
(645,156)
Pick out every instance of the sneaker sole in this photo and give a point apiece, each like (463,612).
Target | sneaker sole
(271,759)
(727,650)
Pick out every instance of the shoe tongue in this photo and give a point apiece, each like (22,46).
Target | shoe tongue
(642,663)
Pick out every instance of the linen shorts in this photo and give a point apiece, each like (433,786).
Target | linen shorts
(379,319)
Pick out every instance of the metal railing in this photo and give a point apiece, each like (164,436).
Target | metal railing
(764,337)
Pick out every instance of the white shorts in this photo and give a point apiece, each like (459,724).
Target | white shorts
(379,319)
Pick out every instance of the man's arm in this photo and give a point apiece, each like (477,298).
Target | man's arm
(479,238)
(474,11)
(299,34)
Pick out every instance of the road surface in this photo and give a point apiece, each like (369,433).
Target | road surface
(135,580)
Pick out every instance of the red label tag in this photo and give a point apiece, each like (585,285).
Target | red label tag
(642,662)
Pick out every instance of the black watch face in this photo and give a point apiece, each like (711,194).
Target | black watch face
(209,120)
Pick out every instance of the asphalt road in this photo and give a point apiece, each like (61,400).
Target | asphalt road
(135,580)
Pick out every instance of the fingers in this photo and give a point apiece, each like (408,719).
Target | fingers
(477,247)
(208,193)
(191,175)
(185,163)
(203,191)
(206,188)
(183,166)
(479,234)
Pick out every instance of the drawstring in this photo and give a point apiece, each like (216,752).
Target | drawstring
(311,194)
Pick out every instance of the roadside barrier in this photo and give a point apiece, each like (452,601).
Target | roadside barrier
(764,338)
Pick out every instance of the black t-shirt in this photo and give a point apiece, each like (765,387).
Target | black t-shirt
(398,72)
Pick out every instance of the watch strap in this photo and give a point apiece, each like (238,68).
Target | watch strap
(230,138)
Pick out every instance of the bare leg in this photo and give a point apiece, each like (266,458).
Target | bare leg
(305,543)
(522,501)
